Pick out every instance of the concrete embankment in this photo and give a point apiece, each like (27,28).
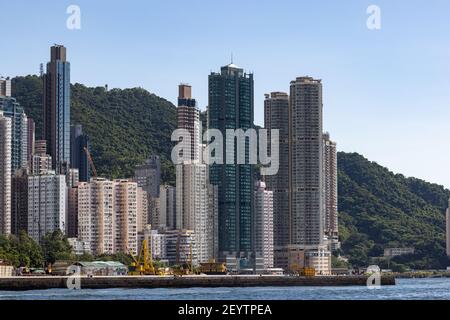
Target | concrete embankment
(49,282)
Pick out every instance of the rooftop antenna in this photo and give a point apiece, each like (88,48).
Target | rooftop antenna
(231,57)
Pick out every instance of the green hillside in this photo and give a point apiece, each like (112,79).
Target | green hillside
(381,209)
(378,209)
(125,126)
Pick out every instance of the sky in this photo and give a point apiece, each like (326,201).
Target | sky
(386,91)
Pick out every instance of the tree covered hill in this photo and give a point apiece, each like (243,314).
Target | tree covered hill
(381,209)
(125,126)
(378,208)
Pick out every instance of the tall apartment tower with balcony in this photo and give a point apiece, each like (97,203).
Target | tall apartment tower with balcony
(264,235)
(231,106)
(192,180)
(57,109)
(108,215)
(5,174)
(19,132)
(306,176)
(47,201)
(447,229)
(330,192)
(276,117)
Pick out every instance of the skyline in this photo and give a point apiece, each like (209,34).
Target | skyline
(402,123)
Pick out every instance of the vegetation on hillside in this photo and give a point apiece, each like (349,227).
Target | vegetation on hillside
(125,126)
(379,209)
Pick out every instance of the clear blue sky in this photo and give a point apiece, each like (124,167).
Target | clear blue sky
(386,92)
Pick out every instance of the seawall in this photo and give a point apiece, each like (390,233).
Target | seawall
(52,282)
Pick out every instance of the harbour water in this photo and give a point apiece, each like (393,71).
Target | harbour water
(407,289)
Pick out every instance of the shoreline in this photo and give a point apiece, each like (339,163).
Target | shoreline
(153,282)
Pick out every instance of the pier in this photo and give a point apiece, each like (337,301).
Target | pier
(135,282)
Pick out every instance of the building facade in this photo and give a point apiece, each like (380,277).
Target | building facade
(41,161)
(47,201)
(447,229)
(264,235)
(19,132)
(79,143)
(330,192)
(57,108)
(5,174)
(19,215)
(276,117)
(231,107)
(166,217)
(306,163)
(5,87)
(107,215)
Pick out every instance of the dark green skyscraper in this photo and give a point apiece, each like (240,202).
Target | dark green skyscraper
(231,107)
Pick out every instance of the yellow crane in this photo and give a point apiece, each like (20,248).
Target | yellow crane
(143,265)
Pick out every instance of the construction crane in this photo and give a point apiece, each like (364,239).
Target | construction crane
(91,162)
(143,264)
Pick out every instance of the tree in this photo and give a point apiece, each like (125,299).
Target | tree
(56,247)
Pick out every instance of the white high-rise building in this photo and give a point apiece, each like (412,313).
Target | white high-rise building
(5,174)
(192,180)
(447,216)
(306,173)
(108,215)
(126,212)
(264,241)
(330,192)
(96,215)
(5,87)
(47,201)
(193,207)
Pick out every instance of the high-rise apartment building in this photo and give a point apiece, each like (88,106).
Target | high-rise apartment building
(5,87)
(276,117)
(142,210)
(47,200)
(306,163)
(72,213)
(166,215)
(96,215)
(192,180)
(57,108)
(107,215)
(188,117)
(330,192)
(126,216)
(193,211)
(41,161)
(79,143)
(264,240)
(19,215)
(231,107)
(5,174)
(447,216)
(19,132)
(148,177)
(31,141)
